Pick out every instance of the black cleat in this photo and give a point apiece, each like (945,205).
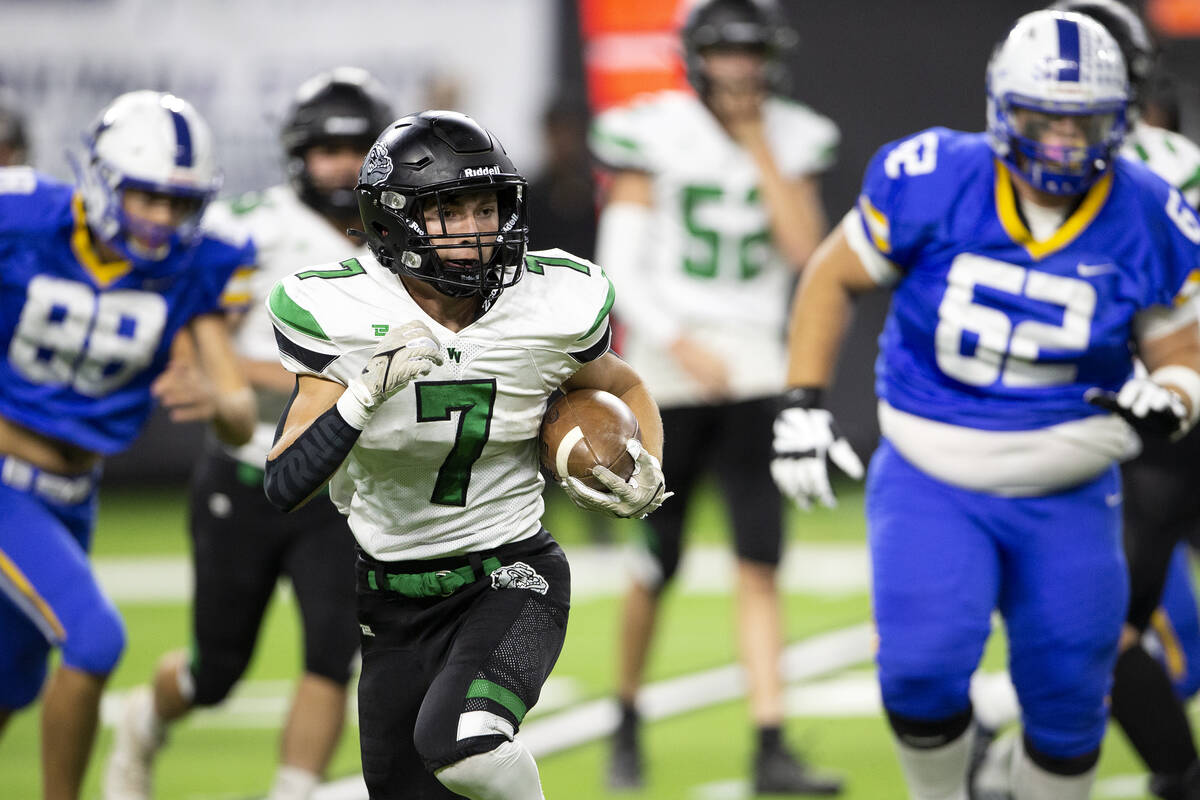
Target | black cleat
(990,765)
(779,772)
(625,764)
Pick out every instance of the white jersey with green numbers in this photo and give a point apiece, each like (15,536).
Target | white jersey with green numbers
(287,235)
(710,269)
(1172,155)
(449,465)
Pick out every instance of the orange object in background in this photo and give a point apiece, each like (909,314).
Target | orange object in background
(630,47)
(1175,19)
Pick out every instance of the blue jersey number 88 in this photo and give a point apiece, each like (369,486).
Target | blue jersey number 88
(70,335)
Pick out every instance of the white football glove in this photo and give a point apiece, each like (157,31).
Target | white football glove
(637,497)
(805,436)
(1151,408)
(406,352)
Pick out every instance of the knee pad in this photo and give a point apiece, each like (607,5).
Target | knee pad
(925,697)
(95,642)
(506,772)
(922,734)
(214,674)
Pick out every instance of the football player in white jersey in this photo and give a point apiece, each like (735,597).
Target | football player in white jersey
(1160,503)
(329,127)
(713,208)
(423,372)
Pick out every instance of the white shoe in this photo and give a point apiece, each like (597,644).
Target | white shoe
(129,774)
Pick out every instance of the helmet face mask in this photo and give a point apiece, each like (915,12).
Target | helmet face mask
(344,107)
(423,178)
(155,144)
(1058,75)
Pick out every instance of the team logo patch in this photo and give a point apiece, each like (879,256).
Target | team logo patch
(378,165)
(519,575)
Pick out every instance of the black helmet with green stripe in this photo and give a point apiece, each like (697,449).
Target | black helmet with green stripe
(420,162)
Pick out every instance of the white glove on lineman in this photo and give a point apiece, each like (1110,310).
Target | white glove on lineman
(406,352)
(805,435)
(1151,408)
(637,497)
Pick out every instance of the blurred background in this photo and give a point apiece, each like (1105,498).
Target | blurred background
(533,71)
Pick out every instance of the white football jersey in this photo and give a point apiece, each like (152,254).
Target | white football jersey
(710,267)
(1172,155)
(287,235)
(449,465)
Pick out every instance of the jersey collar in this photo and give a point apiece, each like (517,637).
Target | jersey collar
(1069,231)
(103,273)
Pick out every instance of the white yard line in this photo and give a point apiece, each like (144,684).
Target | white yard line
(818,655)
(825,569)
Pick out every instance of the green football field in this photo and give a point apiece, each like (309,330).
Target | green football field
(698,749)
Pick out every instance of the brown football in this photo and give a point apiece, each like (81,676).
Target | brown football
(584,428)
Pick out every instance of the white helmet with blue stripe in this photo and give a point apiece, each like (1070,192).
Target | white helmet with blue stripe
(154,142)
(1054,65)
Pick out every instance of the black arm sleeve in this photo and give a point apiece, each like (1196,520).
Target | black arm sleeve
(308,462)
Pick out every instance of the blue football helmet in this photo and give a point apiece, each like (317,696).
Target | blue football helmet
(154,142)
(1054,65)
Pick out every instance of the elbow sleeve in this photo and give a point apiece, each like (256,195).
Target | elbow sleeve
(308,462)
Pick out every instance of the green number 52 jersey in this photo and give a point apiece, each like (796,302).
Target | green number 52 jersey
(448,465)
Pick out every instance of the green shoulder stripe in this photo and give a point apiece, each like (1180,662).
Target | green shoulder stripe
(1191,182)
(608,304)
(286,309)
(612,138)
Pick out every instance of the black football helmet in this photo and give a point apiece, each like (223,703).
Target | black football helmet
(343,105)
(1137,45)
(420,161)
(756,25)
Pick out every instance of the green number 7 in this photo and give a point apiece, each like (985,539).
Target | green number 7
(474,400)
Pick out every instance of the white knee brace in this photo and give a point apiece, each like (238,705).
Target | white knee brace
(506,773)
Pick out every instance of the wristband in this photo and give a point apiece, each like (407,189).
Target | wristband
(803,397)
(353,409)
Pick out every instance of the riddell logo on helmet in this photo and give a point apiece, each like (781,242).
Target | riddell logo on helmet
(477,172)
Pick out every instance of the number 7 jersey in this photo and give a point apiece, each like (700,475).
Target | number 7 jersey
(448,465)
(990,328)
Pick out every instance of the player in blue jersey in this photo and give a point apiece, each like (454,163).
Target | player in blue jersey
(110,299)
(1027,264)
(1160,509)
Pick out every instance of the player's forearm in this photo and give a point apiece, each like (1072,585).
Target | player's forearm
(303,462)
(236,412)
(236,416)
(638,399)
(821,313)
